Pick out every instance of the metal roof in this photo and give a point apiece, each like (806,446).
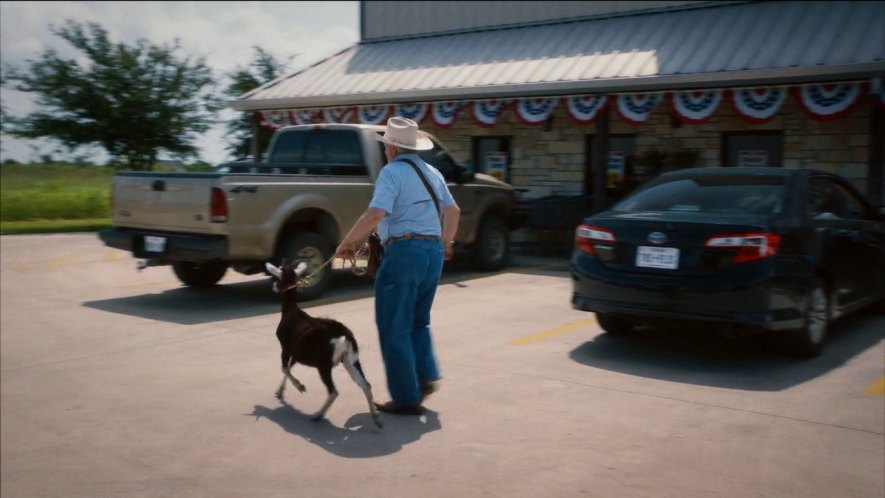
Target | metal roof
(723,45)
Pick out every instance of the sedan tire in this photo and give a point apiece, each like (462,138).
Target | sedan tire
(808,341)
(613,325)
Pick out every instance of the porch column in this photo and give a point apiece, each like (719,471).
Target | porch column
(600,160)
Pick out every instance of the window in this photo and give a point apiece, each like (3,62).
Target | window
(714,194)
(491,155)
(752,149)
(828,196)
(621,176)
(318,152)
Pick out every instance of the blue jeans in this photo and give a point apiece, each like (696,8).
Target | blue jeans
(405,286)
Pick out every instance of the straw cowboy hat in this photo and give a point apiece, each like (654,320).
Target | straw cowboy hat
(403,132)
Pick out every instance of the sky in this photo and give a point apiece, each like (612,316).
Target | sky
(222,32)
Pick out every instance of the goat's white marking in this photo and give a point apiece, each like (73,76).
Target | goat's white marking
(341,347)
(273,270)
(300,269)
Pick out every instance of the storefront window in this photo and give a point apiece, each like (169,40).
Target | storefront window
(491,155)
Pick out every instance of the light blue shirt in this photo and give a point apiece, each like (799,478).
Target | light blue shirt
(409,207)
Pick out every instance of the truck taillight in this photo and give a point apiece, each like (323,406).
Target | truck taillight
(219,206)
(586,238)
(750,246)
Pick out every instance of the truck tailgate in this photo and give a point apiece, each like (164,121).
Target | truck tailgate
(165,201)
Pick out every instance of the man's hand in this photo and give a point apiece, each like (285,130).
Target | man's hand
(346,250)
(450,250)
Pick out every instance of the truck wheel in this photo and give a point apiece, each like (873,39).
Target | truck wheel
(313,249)
(491,249)
(808,340)
(199,273)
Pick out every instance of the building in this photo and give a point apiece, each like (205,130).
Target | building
(576,98)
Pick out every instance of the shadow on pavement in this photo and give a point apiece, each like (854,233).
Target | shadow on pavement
(704,358)
(189,306)
(359,438)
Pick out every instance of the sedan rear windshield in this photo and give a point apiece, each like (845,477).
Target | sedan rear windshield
(710,194)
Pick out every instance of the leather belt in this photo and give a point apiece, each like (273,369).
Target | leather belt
(391,240)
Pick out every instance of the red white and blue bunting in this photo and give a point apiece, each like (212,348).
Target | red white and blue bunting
(304,116)
(487,112)
(444,113)
(533,112)
(636,107)
(755,105)
(825,102)
(415,112)
(696,107)
(373,114)
(337,115)
(275,119)
(758,105)
(584,109)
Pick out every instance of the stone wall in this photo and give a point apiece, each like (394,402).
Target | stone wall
(550,160)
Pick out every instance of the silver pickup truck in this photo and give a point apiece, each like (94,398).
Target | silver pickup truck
(297,205)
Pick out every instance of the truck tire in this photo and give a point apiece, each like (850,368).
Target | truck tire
(491,250)
(199,273)
(313,249)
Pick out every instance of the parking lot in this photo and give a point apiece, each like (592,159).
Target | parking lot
(123,383)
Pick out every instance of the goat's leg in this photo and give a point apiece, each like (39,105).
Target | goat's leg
(352,364)
(288,363)
(326,376)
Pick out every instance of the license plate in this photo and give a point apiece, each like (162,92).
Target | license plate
(154,244)
(666,258)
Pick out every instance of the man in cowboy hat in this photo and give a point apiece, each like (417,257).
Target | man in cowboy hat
(416,243)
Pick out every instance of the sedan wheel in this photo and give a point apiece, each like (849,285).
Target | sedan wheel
(612,324)
(808,341)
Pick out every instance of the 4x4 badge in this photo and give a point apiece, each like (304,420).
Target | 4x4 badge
(657,238)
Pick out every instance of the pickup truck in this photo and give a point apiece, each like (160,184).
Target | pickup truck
(297,205)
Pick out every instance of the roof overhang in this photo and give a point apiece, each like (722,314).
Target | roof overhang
(732,45)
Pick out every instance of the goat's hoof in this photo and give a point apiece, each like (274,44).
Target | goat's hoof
(317,418)
(279,395)
(378,422)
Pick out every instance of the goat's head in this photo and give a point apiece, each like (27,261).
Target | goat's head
(285,277)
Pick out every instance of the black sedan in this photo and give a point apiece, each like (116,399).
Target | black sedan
(739,249)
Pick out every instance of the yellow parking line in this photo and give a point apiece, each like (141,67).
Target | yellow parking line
(876,388)
(553,332)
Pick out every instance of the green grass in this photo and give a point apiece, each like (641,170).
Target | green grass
(38,198)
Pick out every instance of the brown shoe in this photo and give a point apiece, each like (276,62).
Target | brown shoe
(391,407)
(428,388)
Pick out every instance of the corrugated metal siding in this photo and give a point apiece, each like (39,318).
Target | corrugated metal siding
(395,19)
(731,45)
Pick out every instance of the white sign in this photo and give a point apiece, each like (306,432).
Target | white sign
(496,164)
(615,169)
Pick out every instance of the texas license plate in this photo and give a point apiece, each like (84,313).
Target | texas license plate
(154,244)
(666,258)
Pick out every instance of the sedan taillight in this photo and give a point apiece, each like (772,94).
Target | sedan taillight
(750,246)
(586,238)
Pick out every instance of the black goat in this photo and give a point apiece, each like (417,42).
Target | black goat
(321,343)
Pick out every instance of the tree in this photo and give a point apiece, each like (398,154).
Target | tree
(263,69)
(134,101)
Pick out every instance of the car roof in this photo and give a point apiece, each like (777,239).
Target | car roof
(732,171)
